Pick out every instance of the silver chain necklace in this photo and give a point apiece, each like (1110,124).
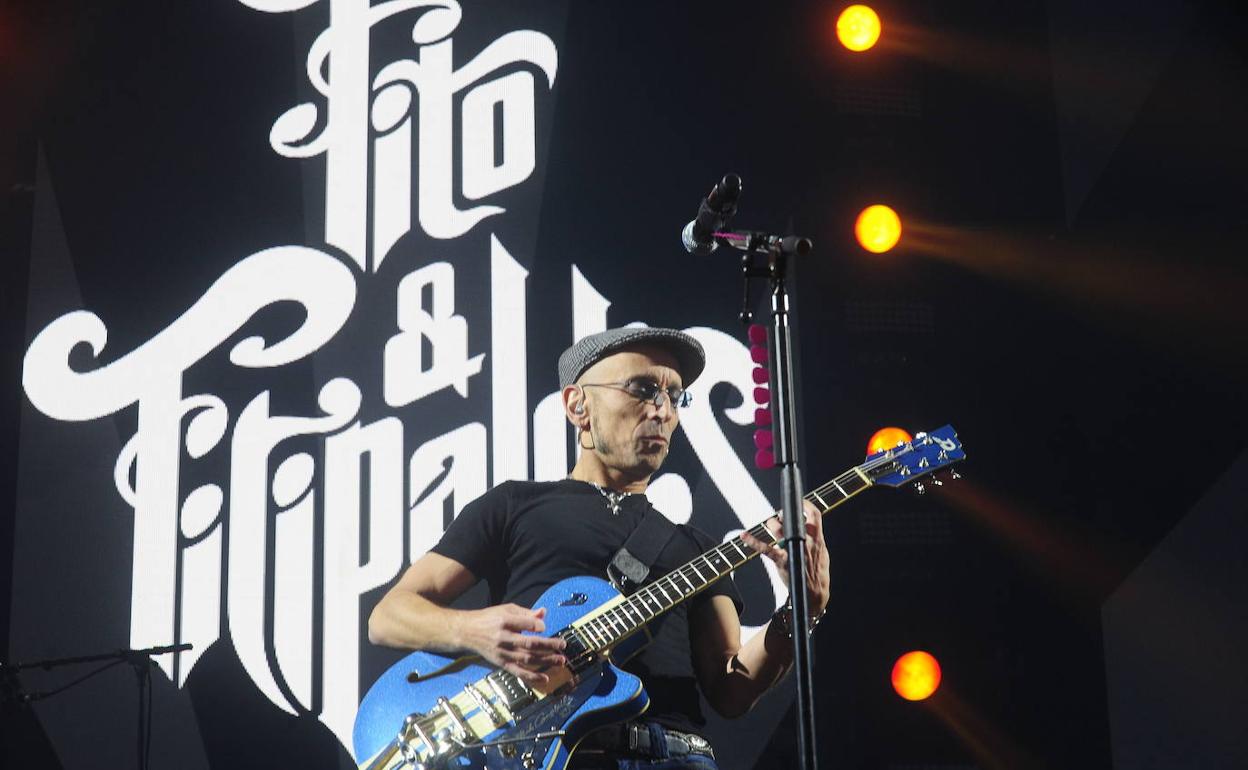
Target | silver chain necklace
(613,498)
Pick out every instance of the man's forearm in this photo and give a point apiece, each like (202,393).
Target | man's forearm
(757,667)
(505,635)
(409,621)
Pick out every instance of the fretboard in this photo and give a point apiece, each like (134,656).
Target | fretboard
(656,598)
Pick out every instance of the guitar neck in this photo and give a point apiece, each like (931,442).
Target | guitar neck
(656,598)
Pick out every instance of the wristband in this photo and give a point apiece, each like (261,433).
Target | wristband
(783,618)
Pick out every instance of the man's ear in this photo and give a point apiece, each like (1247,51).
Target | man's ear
(574,406)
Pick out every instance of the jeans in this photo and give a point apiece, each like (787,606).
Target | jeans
(660,760)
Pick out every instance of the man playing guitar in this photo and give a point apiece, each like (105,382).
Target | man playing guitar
(622,390)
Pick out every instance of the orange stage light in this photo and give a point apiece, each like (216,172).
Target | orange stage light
(878,228)
(858,28)
(916,675)
(886,438)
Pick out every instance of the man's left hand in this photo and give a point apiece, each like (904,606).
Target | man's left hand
(818,576)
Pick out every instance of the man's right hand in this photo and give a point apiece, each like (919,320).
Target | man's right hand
(494,633)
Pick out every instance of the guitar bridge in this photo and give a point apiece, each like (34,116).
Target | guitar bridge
(457,719)
(414,729)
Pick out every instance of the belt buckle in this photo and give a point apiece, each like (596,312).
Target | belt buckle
(679,743)
(697,744)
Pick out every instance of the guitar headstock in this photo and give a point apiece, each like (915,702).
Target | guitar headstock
(908,462)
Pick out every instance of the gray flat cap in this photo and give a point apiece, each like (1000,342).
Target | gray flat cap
(690,357)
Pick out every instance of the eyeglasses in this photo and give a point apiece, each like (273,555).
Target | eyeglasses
(647,391)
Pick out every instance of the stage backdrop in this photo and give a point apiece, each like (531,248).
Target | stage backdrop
(299,276)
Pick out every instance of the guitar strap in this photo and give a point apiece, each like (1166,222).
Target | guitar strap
(631,564)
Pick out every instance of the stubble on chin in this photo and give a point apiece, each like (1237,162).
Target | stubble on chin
(652,459)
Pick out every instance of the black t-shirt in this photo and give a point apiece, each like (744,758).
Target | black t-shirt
(523,537)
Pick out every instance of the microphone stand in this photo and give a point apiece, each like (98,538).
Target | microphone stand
(140,660)
(775,252)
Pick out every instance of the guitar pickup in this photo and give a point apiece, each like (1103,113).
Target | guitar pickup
(483,702)
(510,690)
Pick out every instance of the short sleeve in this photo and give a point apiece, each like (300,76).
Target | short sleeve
(477,536)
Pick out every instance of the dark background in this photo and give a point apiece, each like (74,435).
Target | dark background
(1081,324)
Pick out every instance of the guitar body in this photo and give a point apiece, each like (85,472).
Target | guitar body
(599,695)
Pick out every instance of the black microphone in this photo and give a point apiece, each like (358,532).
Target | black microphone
(713,214)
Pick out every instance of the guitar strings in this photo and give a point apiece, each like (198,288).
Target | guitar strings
(637,602)
(652,591)
(846,486)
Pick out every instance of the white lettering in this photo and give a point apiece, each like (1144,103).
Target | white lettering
(446,474)
(151,376)
(510,367)
(342,51)
(256,436)
(408,377)
(380,444)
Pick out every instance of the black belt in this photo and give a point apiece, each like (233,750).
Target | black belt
(634,738)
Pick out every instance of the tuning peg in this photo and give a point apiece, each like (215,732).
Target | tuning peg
(919,488)
(954,475)
(937,482)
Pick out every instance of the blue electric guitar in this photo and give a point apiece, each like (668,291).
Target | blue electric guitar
(431,711)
